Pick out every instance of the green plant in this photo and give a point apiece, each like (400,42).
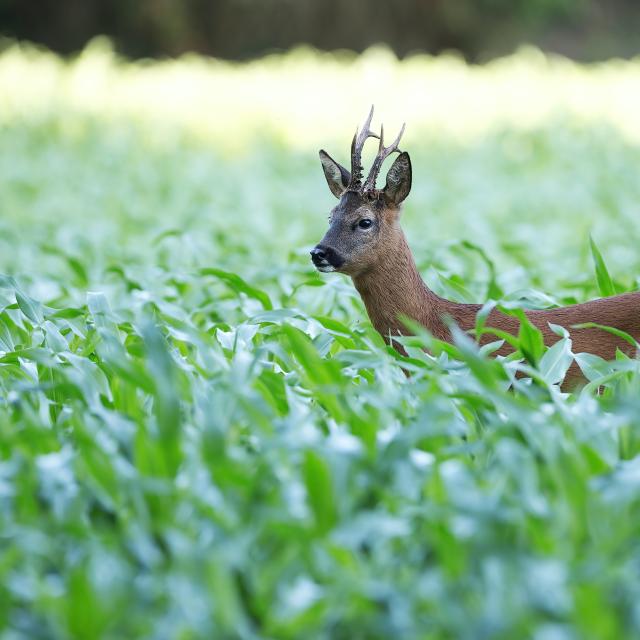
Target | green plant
(202,437)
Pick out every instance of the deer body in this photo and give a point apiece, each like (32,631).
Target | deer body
(366,242)
(393,288)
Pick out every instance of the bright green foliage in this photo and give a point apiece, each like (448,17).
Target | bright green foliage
(200,436)
(605,284)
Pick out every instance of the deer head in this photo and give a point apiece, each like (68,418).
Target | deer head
(364,223)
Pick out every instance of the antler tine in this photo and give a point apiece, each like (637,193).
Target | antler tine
(356,150)
(383,154)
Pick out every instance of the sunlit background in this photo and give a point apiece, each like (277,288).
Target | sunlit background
(525,155)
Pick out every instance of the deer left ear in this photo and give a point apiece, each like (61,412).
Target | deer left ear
(398,180)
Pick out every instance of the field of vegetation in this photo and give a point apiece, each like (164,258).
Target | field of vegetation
(202,437)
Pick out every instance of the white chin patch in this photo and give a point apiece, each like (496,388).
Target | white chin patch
(325,268)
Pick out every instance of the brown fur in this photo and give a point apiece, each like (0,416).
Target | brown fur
(392,287)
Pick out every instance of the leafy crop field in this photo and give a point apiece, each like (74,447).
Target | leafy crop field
(202,437)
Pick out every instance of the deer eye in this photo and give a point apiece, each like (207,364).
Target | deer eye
(365,223)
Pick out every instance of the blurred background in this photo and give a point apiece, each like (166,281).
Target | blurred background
(160,159)
(199,123)
(242,29)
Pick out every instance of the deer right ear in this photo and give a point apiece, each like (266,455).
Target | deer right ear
(337,176)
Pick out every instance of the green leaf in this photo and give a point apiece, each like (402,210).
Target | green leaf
(235,282)
(593,366)
(623,335)
(530,339)
(605,284)
(556,361)
(30,307)
(166,397)
(494,291)
(317,479)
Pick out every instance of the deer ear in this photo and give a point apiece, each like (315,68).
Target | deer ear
(337,176)
(398,180)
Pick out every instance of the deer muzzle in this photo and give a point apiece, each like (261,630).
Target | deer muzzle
(325,258)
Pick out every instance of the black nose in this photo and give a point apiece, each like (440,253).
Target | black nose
(323,256)
(318,253)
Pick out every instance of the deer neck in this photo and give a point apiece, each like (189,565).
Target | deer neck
(393,288)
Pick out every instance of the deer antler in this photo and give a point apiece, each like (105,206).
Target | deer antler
(383,154)
(356,152)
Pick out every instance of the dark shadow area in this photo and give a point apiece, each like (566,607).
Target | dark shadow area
(242,29)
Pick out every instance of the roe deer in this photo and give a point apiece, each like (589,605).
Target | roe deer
(365,241)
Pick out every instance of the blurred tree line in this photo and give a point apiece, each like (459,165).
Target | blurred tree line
(239,29)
